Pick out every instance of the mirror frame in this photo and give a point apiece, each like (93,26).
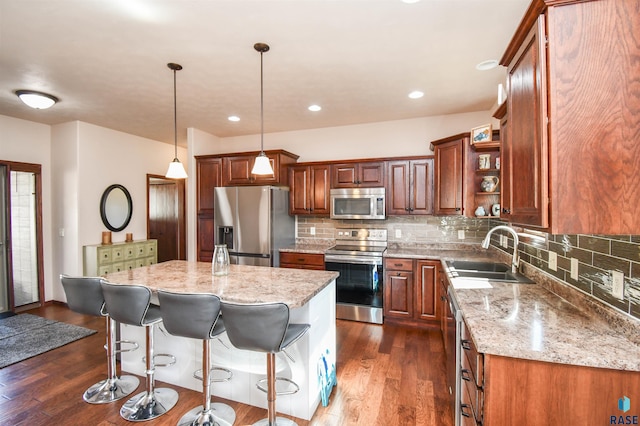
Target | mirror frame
(103,207)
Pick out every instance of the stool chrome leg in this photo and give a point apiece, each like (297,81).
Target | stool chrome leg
(113,387)
(208,414)
(272,420)
(153,402)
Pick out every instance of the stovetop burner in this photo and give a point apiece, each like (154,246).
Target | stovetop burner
(360,242)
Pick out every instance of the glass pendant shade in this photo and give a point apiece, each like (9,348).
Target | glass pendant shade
(262,165)
(36,100)
(176,170)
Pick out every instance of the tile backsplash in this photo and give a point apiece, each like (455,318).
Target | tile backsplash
(597,255)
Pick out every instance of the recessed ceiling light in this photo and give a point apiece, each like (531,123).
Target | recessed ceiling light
(416,94)
(487,65)
(315,108)
(37,100)
(410,1)
(233,118)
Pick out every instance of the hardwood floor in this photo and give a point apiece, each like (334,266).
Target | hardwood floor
(387,375)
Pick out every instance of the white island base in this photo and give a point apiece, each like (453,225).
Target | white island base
(249,367)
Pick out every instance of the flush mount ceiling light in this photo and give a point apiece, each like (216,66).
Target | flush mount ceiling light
(176,169)
(37,100)
(487,65)
(315,108)
(416,94)
(262,165)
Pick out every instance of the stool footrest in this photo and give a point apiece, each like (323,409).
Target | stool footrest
(172,360)
(260,386)
(198,375)
(134,346)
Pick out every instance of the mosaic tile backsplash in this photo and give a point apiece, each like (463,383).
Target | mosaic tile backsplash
(597,255)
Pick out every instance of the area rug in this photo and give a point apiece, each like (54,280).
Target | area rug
(24,336)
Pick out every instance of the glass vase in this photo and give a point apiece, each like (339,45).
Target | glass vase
(220,263)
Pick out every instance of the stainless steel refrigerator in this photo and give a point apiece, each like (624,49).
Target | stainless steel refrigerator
(254,223)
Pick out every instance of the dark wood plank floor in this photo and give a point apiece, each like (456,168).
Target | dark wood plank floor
(387,375)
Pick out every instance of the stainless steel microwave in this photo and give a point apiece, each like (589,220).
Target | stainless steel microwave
(357,203)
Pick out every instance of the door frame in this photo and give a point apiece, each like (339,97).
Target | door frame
(36,169)
(182,226)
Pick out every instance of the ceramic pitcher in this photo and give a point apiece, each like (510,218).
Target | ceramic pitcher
(489,183)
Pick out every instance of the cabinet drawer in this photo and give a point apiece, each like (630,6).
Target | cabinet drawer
(392,264)
(474,393)
(302,259)
(117,267)
(471,357)
(117,254)
(104,255)
(151,248)
(130,251)
(141,249)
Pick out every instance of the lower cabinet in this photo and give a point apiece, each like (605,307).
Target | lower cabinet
(411,292)
(471,380)
(302,260)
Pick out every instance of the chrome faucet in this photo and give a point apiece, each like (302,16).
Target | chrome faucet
(515,262)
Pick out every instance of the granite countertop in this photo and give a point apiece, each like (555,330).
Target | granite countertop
(306,248)
(527,321)
(244,284)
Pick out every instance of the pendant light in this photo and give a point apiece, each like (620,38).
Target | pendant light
(262,165)
(176,169)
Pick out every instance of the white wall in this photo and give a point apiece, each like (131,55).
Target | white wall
(384,139)
(29,142)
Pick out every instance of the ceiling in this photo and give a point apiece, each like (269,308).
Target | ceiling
(107,61)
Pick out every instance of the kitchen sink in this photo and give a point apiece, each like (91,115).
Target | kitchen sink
(491,271)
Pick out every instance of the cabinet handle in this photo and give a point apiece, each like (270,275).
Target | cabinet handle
(443,298)
(458,209)
(407,209)
(507,211)
(465,345)
(462,407)
(464,375)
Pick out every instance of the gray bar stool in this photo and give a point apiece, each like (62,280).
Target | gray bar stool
(264,328)
(84,296)
(131,304)
(197,316)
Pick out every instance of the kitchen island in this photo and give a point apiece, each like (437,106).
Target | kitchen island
(309,294)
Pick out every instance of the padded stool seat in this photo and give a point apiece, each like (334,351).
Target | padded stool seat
(263,328)
(84,296)
(131,304)
(197,316)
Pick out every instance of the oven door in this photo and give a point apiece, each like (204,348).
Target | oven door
(359,287)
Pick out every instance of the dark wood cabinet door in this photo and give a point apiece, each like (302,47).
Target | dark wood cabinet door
(208,176)
(426,291)
(399,184)
(371,174)
(319,188)
(449,178)
(237,171)
(526,145)
(398,294)
(421,192)
(344,175)
(299,202)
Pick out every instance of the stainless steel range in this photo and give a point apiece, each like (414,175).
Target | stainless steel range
(357,255)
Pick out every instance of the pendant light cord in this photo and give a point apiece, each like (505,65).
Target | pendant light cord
(261,108)
(175,116)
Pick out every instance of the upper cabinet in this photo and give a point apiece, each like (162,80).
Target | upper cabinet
(358,174)
(571,144)
(449,174)
(410,186)
(309,189)
(236,168)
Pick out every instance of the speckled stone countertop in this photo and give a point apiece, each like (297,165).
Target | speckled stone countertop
(244,284)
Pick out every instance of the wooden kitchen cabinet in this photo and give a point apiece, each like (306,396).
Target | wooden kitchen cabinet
(410,186)
(236,168)
(449,174)
(208,176)
(302,260)
(572,132)
(309,189)
(411,292)
(358,174)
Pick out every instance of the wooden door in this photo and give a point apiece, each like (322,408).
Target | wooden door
(344,175)
(371,174)
(399,188)
(165,217)
(398,294)
(449,178)
(527,136)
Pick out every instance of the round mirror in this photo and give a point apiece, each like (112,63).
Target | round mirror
(116,208)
